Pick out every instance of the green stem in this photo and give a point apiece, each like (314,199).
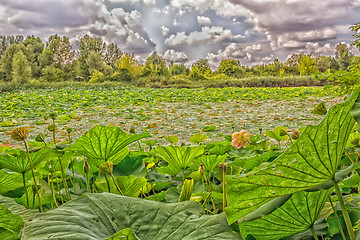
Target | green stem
(33,175)
(107,182)
(344,211)
(314,233)
(183,174)
(117,186)
(64,179)
(26,192)
(73,178)
(224,188)
(147,171)
(211,198)
(53,190)
(337,218)
(57,182)
(87,183)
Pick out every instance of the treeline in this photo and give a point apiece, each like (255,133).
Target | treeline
(26,60)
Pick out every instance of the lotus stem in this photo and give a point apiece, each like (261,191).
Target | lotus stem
(53,190)
(33,175)
(87,183)
(314,233)
(224,186)
(116,185)
(64,179)
(73,179)
(108,184)
(344,211)
(147,171)
(337,218)
(57,182)
(26,192)
(211,198)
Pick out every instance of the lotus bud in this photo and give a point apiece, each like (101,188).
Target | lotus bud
(223,166)
(132,130)
(201,169)
(146,164)
(86,167)
(20,133)
(106,168)
(282,132)
(69,130)
(53,115)
(295,135)
(52,127)
(40,137)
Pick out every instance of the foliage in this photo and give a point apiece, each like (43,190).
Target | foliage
(98,216)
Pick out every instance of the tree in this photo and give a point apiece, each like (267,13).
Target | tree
(86,45)
(155,65)
(178,69)
(231,67)
(343,56)
(356,34)
(128,64)
(95,62)
(112,54)
(307,65)
(21,70)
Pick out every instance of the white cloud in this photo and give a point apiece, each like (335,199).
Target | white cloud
(204,21)
(208,34)
(175,56)
(164,30)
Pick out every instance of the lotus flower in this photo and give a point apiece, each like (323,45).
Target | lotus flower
(240,139)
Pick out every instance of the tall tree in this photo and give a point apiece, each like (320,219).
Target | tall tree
(21,70)
(343,56)
(112,54)
(155,65)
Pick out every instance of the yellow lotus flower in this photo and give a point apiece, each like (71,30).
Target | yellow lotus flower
(240,139)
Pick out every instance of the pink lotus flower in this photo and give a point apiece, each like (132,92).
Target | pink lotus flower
(240,139)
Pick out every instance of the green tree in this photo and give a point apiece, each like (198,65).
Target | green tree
(155,65)
(343,56)
(112,54)
(231,67)
(307,65)
(356,34)
(178,69)
(52,74)
(128,65)
(21,70)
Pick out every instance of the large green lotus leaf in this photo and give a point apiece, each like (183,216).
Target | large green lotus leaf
(126,234)
(98,216)
(9,181)
(18,209)
(20,163)
(10,224)
(130,186)
(103,143)
(179,157)
(132,164)
(297,215)
(312,160)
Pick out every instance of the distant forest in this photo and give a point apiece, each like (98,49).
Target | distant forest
(27,60)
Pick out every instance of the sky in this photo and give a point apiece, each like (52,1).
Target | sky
(183,31)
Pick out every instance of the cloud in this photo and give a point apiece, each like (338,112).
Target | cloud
(204,21)
(77,18)
(175,56)
(232,51)
(164,30)
(206,35)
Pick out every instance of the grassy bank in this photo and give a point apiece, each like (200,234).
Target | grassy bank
(178,82)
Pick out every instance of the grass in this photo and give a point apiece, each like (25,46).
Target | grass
(180,81)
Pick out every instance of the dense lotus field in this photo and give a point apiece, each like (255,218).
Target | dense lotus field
(162,112)
(231,163)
